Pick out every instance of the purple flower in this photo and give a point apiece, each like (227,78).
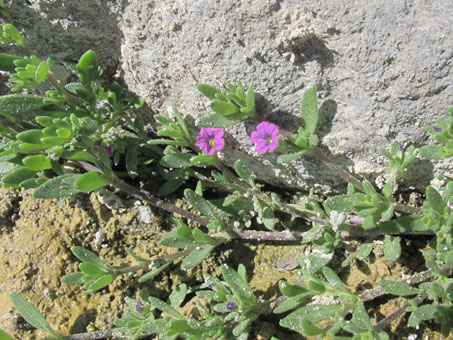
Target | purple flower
(265,137)
(211,140)
(437,128)
(139,306)
(231,306)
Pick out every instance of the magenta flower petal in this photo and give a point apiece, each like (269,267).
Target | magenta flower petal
(265,137)
(211,140)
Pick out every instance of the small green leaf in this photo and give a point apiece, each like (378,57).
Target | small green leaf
(91,269)
(37,162)
(174,240)
(434,152)
(365,250)
(15,104)
(178,295)
(92,181)
(196,256)
(86,255)
(132,160)
(99,283)
(32,136)
(18,175)
(315,261)
(78,155)
(392,248)
(14,34)
(220,121)
(224,109)
(289,157)
(60,186)
(240,287)
(176,160)
(41,72)
(199,203)
(309,110)
(153,273)
(31,314)
(7,62)
(435,200)
(88,67)
(334,280)
(244,172)
(398,288)
(312,313)
(200,236)
(73,279)
(166,308)
(425,312)
(208,90)
(340,203)
(309,329)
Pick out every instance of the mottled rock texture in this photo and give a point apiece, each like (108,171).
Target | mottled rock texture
(383,68)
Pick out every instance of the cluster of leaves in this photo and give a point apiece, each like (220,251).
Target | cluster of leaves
(232,106)
(82,124)
(232,309)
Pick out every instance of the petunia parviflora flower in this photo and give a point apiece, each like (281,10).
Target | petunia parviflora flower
(265,137)
(211,140)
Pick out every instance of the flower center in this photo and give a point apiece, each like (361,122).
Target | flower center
(212,142)
(269,139)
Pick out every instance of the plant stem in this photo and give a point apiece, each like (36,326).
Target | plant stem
(355,182)
(395,315)
(101,334)
(338,169)
(373,293)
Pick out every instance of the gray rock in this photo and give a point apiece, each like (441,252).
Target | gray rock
(66,29)
(384,69)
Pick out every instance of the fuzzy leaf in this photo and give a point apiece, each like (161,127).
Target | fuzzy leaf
(224,109)
(289,157)
(240,288)
(91,181)
(340,203)
(15,104)
(309,110)
(166,308)
(73,279)
(433,152)
(312,313)
(60,186)
(37,162)
(398,288)
(196,256)
(132,161)
(220,121)
(86,255)
(176,160)
(41,72)
(244,172)
(18,175)
(392,248)
(31,314)
(88,67)
(208,90)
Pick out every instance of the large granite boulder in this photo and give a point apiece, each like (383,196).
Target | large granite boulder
(384,69)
